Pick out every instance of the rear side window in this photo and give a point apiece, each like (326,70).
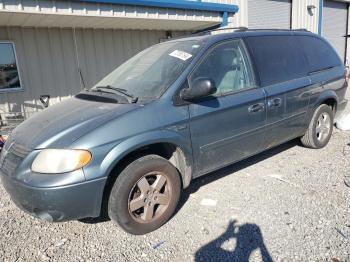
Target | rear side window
(319,54)
(278,58)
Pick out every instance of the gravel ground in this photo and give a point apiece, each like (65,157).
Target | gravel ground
(287,204)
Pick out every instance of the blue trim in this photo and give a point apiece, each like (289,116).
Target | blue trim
(224,19)
(320,18)
(179,4)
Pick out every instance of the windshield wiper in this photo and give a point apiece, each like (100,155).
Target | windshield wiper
(116,90)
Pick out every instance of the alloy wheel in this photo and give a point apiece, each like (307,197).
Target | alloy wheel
(149,197)
(323,126)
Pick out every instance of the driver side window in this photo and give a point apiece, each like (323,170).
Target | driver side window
(228,66)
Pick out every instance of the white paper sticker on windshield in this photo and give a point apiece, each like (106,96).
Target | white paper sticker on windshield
(181,55)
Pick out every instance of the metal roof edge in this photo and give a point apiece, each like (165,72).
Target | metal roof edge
(176,4)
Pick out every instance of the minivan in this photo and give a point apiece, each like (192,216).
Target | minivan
(176,111)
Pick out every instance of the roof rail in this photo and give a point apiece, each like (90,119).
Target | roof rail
(242,28)
(208,30)
(276,29)
(301,29)
(217,27)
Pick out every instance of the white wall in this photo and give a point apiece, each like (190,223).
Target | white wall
(303,18)
(347,95)
(239,19)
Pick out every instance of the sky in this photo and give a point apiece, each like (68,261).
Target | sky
(6,53)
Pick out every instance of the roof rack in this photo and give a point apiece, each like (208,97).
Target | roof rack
(242,28)
(276,29)
(215,28)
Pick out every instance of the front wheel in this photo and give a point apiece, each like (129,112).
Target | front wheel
(145,195)
(320,128)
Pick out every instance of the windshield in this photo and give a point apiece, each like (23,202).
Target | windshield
(148,74)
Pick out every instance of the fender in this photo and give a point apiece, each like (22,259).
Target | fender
(323,96)
(327,94)
(149,138)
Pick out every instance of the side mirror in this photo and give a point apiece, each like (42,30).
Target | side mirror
(201,87)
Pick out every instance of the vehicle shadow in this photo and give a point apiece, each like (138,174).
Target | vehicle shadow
(207,179)
(248,238)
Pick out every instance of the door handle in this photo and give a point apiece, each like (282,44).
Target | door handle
(276,102)
(256,108)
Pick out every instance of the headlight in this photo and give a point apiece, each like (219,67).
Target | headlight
(53,161)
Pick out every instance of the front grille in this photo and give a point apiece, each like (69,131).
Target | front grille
(11,156)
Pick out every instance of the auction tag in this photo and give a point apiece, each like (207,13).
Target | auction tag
(181,55)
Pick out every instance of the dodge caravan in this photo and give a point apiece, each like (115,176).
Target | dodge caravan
(174,112)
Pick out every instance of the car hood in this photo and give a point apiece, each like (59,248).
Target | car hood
(60,125)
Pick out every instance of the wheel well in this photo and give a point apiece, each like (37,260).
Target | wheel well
(169,151)
(332,103)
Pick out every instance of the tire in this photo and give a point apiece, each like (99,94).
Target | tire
(132,201)
(322,119)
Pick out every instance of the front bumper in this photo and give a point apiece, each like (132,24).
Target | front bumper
(57,204)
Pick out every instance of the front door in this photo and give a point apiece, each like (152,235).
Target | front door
(228,125)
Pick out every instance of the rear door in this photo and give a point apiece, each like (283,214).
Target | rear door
(283,72)
(326,69)
(229,125)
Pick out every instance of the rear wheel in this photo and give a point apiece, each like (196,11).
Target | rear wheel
(320,128)
(145,195)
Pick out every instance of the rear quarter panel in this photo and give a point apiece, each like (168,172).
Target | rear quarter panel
(326,84)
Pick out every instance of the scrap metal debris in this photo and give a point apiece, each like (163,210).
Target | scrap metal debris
(279,177)
(61,243)
(156,246)
(341,233)
(208,202)
(347,181)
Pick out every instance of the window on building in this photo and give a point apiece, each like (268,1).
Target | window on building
(277,58)
(9,75)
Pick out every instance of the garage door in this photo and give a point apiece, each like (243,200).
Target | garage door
(269,14)
(334,25)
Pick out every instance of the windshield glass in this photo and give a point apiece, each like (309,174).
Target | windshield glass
(148,74)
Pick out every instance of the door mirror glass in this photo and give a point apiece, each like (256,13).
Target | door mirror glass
(201,87)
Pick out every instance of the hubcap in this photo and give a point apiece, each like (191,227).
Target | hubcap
(323,127)
(149,197)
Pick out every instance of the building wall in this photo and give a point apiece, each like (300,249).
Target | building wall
(66,13)
(50,60)
(239,19)
(347,95)
(301,18)
(264,14)
(304,18)
(348,41)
